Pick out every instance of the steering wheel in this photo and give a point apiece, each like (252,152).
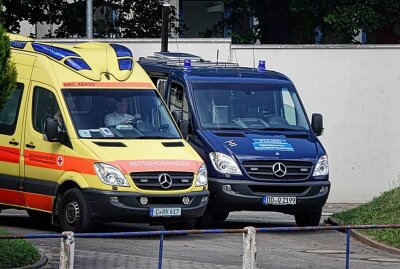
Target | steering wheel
(274,119)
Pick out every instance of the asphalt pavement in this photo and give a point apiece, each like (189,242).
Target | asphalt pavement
(318,249)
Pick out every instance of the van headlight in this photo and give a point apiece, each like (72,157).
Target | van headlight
(110,175)
(322,168)
(202,176)
(224,164)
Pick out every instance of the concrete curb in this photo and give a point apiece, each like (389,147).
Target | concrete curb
(366,239)
(41,263)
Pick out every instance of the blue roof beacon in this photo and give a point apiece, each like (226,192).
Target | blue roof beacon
(250,127)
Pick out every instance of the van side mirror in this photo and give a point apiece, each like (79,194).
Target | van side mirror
(182,124)
(51,130)
(317,124)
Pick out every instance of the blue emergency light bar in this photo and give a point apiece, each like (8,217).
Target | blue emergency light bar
(53,52)
(77,64)
(125,64)
(261,66)
(121,51)
(17,44)
(187,64)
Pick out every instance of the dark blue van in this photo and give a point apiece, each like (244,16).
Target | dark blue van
(251,129)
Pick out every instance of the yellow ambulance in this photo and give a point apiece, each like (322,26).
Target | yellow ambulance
(86,138)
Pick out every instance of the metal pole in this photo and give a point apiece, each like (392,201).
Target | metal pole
(249,249)
(67,251)
(89,18)
(347,248)
(160,251)
(164,27)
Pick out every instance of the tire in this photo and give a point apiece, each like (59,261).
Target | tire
(74,212)
(206,220)
(220,215)
(38,216)
(187,225)
(308,218)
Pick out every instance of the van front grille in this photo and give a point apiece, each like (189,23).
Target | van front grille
(295,170)
(149,180)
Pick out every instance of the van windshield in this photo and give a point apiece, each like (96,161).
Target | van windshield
(119,114)
(248,106)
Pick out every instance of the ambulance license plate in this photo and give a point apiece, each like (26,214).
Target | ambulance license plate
(165,212)
(279,200)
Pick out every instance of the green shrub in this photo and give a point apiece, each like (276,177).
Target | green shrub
(16,252)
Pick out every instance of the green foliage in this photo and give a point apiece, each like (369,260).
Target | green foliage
(8,73)
(384,209)
(16,252)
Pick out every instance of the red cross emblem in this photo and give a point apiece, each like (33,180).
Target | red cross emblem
(60,161)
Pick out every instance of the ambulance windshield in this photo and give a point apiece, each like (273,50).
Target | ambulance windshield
(119,114)
(248,106)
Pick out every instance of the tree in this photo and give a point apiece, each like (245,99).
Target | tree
(117,18)
(33,11)
(8,73)
(296,21)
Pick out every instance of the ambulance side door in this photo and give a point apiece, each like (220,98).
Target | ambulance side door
(11,129)
(43,159)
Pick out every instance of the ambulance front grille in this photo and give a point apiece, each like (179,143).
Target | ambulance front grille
(295,170)
(150,180)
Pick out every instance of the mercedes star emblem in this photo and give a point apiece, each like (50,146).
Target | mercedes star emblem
(279,169)
(165,181)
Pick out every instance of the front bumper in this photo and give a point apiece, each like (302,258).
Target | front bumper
(248,195)
(104,207)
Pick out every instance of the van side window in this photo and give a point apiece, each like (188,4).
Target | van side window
(44,107)
(10,111)
(178,101)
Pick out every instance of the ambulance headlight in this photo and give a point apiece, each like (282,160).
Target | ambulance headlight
(110,175)
(224,164)
(322,168)
(202,176)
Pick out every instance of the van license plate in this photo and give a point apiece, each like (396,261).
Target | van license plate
(279,200)
(165,212)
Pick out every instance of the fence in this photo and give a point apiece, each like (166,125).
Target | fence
(67,248)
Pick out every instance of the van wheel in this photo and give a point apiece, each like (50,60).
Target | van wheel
(74,212)
(221,215)
(206,220)
(187,225)
(308,218)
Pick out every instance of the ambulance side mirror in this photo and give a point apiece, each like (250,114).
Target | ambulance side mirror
(51,130)
(182,124)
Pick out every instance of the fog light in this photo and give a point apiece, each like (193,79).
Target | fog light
(227,187)
(185,200)
(114,199)
(144,200)
(323,189)
(204,199)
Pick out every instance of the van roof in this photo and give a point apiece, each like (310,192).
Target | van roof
(93,61)
(207,71)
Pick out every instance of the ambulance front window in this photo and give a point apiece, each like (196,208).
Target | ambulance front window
(45,107)
(116,114)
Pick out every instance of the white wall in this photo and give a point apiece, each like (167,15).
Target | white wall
(356,88)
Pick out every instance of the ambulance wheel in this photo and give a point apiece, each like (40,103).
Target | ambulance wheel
(74,212)
(220,215)
(308,218)
(206,220)
(187,225)
(39,216)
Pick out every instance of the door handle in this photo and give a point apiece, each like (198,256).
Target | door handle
(13,142)
(30,145)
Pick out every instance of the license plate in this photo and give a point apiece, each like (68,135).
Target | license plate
(279,200)
(165,212)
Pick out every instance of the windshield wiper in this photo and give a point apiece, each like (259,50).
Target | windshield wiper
(155,137)
(279,129)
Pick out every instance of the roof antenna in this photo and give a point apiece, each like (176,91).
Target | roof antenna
(254,63)
(237,65)
(217,55)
